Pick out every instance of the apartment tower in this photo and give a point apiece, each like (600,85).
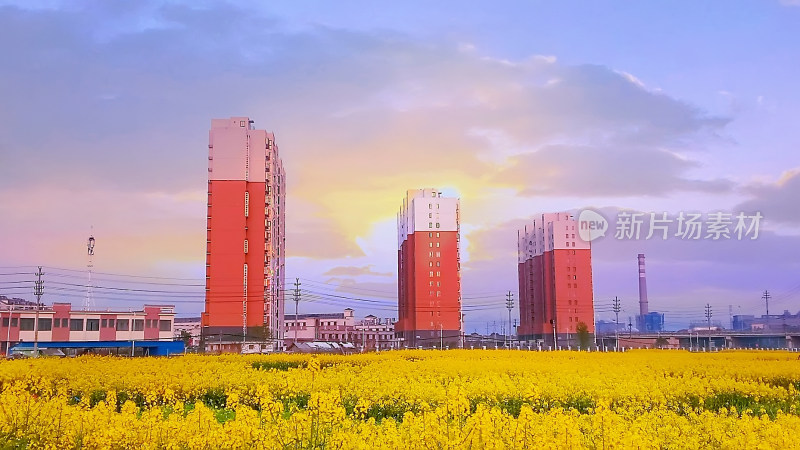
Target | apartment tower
(555,281)
(429,280)
(245,237)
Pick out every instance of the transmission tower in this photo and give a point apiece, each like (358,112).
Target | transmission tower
(509,306)
(88,303)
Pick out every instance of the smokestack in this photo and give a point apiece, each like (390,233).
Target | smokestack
(642,287)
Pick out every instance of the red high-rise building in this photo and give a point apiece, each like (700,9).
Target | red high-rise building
(555,281)
(429,280)
(245,237)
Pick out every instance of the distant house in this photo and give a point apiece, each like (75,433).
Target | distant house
(322,347)
(371,333)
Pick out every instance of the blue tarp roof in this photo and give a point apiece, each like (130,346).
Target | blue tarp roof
(157,348)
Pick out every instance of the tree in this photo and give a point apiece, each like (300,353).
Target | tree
(262,333)
(584,337)
(186,337)
(661,342)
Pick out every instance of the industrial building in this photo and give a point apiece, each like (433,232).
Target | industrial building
(786,322)
(555,281)
(429,270)
(59,326)
(245,253)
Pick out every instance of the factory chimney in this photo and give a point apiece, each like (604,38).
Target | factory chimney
(642,287)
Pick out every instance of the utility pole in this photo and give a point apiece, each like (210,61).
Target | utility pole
(8,329)
(630,326)
(509,306)
(766,298)
(708,318)
(38,289)
(515,333)
(296,307)
(616,309)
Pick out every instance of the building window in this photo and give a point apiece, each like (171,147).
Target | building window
(45,324)
(438,254)
(430,274)
(13,321)
(430,244)
(164,325)
(437,226)
(111,323)
(437,245)
(430,235)
(245,246)
(26,324)
(437,234)
(246,204)
(104,323)
(138,325)
(123,324)
(438,274)
(430,215)
(438,263)
(5,319)
(430,263)
(75,324)
(92,324)
(430,224)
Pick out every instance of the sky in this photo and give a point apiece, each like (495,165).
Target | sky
(517,108)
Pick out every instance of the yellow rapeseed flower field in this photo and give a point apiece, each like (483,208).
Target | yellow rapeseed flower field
(407,399)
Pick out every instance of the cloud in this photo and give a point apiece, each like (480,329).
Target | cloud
(353,271)
(309,234)
(603,171)
(776,201)
(110,103)
(160,228)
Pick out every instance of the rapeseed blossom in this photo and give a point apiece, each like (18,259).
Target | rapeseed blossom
(405,399)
